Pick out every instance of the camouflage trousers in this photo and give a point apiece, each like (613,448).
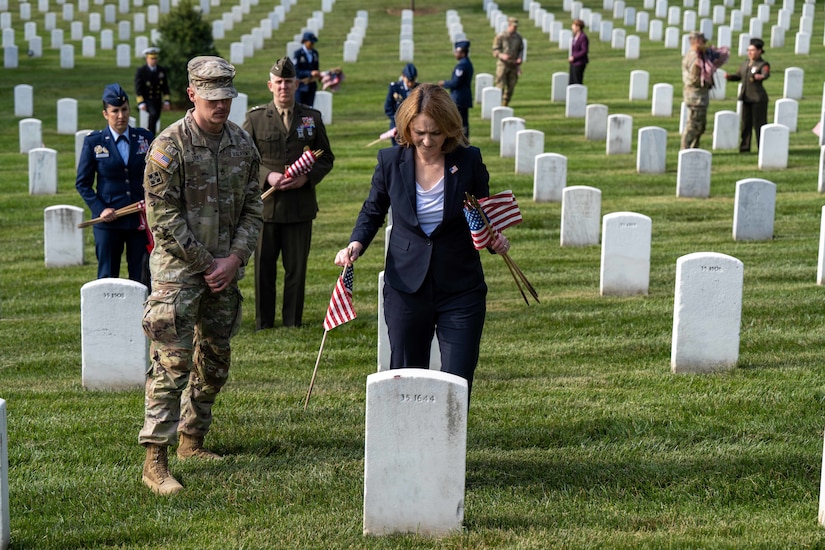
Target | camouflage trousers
(506,79)
(694,126)
(189,328)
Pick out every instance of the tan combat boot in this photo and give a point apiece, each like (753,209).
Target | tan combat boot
(192,447)
(156,474)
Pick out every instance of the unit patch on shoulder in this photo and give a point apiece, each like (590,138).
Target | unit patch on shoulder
(160,158)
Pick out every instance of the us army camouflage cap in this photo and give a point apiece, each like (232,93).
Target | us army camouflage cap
(283,68)
(211,77)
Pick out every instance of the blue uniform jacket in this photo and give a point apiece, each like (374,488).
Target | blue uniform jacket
(304,65)
(448,253)
(396,93)
(460,83)
(118,184)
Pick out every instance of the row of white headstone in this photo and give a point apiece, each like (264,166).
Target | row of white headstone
(355,37)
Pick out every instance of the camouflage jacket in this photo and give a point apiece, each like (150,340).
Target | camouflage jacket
(200,207)
(695,93)
(511,44)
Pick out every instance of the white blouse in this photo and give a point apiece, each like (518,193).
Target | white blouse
(430,206)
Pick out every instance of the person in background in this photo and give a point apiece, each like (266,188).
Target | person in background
(508,49)
(433,275)
(204,207)
(696,91)
(752,73)
(116,156)
(398,92)
(306,67)
(152,88)
(282,129)
(579,48)
(460,84)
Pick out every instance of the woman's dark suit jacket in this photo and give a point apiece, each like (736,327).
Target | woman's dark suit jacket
(448,253)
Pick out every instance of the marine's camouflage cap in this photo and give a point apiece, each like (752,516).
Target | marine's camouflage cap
(283,68)
(211,77)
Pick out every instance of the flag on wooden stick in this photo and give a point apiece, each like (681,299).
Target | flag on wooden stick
(340,308)
(340,311)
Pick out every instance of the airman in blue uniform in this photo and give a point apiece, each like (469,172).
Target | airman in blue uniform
(116,156)
(460,83)
(398,92)
(306,69)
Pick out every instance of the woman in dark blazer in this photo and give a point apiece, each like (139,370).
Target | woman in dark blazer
(433,276)
(752,73)
(578,52)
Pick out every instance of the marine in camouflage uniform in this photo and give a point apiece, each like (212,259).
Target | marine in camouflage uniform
(203,204)
(508,49)
(696,92)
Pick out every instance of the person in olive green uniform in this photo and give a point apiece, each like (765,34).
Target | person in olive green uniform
(508,49)
(696,91)
(290,209)
(203,205)
(752,73)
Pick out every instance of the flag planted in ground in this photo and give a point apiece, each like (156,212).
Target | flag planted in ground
(340,308)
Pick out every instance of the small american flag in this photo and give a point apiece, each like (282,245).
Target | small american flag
(502,210)
(478,231)
(161,158)
(340,308)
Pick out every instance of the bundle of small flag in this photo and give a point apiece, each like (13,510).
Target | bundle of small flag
(501,211)
(489,216)
(304,164)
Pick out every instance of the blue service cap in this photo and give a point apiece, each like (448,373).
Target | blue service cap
(114,95)
(410,71)
(463,45)
(308,36)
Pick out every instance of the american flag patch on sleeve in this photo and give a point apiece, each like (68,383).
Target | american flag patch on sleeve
(161,158)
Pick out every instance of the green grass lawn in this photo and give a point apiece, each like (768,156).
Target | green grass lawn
(579,435)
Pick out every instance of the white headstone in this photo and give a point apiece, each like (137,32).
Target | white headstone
(773,147)
(662,100)
(617,39)
(114,348)
(350,51)
(406,51)
(63,240)
(802,44)
(550,177)
(777,37)
(639,84)
(30,132)
(672,37)
(88,46)
(755,28)
(415,452)
(529,144)
(619,134)
(124,55)
(107,39)
(632,47)
(707,313)
(57,38)
(482,80)
(236,53)
(323,102)
(237,111)
(821,516)
(576,101)
(490,99)
(754,210)
(79,137)
(595,122)
(67,56)
(36,46)
(693,173)
(726,130)
(23,101)
(656,31)
(820,264)
(5,529)
(786,113)
(642,22)
(794,81)
(76,31)
(29,30)
(821,179)
(625,262)
(66,116)
(42,171)
(497,115)
(510,127)
(651,150)
(558,92)
(581,210)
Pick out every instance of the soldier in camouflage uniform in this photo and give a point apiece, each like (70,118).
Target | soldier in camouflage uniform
(203,204)
(508,49)
(696,92)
